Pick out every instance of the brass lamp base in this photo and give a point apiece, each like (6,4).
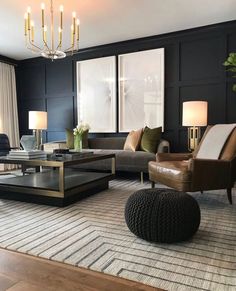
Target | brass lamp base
(194,134)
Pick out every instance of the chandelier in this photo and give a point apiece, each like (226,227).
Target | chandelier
(51,49)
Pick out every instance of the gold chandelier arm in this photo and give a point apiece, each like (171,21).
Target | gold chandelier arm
(32,44)
(32,49)
(46,45)
(59,46)
(71,49)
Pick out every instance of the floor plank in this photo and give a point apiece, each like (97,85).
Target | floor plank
(24,286)
(6,282)
(20,272)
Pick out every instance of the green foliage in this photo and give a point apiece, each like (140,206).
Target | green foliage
(230,63)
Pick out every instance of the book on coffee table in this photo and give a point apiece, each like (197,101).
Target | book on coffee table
(22,154)
(72,155)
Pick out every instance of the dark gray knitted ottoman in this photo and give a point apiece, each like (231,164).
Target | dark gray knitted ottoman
(162,215)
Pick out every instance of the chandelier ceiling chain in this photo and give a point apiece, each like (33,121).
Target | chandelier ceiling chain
(52,51)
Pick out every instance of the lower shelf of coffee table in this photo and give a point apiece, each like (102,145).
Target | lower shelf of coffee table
(43,187)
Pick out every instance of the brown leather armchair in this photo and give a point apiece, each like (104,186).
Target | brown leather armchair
(185,172)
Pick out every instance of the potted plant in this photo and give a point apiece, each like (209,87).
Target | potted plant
(230,63)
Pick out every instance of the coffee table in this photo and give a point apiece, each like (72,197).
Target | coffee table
(59,184)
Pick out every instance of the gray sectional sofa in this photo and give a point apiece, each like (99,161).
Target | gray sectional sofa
(125,160)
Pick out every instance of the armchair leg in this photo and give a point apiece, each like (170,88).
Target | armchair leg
(153,184)
(201,191)
(229,194)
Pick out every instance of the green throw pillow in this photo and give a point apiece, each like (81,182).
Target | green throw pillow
(150,139)
(70,139)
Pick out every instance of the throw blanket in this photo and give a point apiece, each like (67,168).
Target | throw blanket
(214,141)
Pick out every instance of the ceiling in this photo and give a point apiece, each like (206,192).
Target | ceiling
(107,21)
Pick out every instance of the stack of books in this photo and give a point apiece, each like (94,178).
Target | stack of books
(28,155)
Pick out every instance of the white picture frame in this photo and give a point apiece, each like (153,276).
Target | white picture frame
(141,90)
(96,94)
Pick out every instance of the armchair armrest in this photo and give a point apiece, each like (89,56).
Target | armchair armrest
(199,164)
(210,174)
(160,157)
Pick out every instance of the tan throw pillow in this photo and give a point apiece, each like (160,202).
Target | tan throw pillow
(133,139)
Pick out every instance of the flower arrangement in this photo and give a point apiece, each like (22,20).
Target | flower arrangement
(80,129)
(78,133)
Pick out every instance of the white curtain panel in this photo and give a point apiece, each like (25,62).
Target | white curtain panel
(8,106)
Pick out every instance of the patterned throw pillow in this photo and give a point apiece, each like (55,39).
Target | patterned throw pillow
(150,139)
(133,139)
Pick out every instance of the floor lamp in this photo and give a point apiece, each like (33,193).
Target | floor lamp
(194,116)
(38,122)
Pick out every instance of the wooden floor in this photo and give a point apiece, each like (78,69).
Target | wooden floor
(19,272)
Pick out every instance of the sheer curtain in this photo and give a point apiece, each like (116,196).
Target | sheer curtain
(8,105)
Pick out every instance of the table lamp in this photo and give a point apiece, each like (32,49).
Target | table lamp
(38,121)
(194,116)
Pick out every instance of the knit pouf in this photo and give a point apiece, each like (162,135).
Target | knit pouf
(162,215)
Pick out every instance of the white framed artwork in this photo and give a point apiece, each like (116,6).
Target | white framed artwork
(141,90)
(96,94)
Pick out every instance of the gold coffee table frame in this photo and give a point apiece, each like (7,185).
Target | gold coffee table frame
(60,183)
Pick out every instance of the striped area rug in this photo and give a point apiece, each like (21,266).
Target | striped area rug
(92,233)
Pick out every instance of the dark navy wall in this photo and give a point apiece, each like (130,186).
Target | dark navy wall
(193,71)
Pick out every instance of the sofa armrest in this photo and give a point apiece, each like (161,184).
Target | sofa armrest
(163,147)
(50,146)
(160,157)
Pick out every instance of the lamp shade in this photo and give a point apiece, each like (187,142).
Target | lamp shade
(194,113)
(38,120)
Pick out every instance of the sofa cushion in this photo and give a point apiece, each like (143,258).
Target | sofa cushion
(150,139)
(133,140)
(108,143)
